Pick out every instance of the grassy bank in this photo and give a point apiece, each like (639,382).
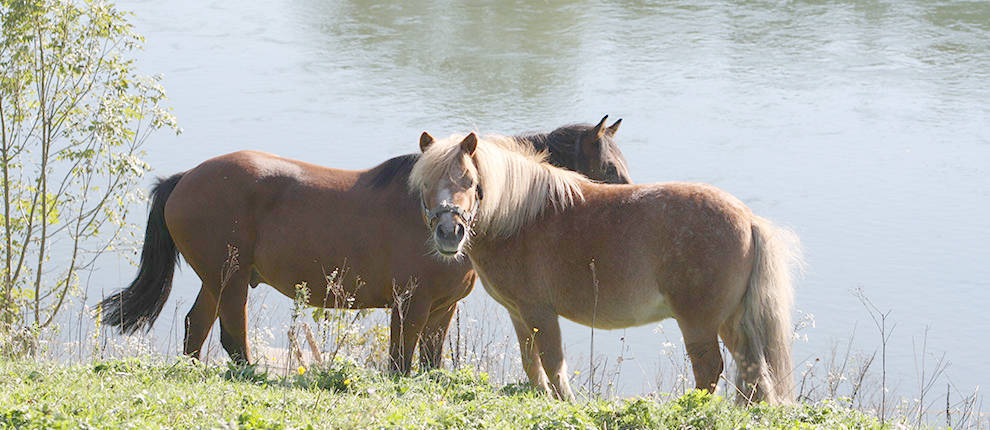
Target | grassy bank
(182,394)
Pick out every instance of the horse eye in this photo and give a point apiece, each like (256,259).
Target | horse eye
(481,194)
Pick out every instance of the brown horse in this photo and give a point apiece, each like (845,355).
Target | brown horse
(548,242)
(250,217)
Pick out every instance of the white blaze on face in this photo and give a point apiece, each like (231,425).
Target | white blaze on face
(446,196)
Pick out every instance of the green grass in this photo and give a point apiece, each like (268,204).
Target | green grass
(184,394)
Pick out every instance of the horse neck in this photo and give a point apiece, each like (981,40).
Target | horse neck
(559,155)
(527,197)
(397,190)
(393,193)
(488,243)
(394,171)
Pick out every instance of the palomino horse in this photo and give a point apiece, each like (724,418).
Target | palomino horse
(250,217)
(549,242)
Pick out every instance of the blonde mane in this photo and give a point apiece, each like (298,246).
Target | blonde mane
(517,181)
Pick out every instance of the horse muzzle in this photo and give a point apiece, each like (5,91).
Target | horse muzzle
(449,236)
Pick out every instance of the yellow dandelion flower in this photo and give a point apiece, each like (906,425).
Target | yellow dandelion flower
(535,329)
(347,381)
(301,370)
(577,372)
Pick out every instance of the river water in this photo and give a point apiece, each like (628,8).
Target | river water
(862,125)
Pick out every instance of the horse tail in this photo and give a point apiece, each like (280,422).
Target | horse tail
(761,330)
(138,305)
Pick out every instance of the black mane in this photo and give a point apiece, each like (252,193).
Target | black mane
(560,144)
(398,167)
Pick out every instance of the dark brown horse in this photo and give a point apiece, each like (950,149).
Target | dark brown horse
(251,217)
(547,242)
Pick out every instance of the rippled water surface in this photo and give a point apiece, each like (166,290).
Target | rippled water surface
(863,125)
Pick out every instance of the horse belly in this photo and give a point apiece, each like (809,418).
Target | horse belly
(313,259)
(614,312)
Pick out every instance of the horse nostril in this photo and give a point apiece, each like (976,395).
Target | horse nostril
(450,233)
(444,232)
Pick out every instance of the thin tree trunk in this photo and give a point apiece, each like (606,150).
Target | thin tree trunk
(72,263)
(42,178)
(8,287)
(26,239)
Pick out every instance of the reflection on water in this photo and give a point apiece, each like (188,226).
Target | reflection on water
(861,124)
(483,61)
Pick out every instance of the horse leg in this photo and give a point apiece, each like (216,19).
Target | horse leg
(706,359)
(408,320)
(200,320)
(530,356)
(546,333)
(233,318)
(431,342)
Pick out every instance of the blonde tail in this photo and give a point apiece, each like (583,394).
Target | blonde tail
(761,330)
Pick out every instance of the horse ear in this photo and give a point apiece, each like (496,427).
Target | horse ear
(613,128)
(599,129)
(470,143)
(591,143)
(425,140)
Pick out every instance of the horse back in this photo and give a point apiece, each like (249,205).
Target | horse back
(689,225)
(246,184)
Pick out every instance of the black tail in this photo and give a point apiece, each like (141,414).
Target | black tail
(138,305)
